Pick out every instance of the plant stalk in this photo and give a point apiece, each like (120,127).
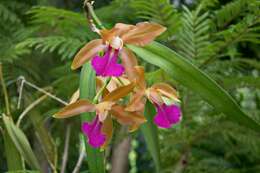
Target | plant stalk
(7,105)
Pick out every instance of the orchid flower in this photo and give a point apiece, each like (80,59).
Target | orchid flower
(112,44)
(99,131)
(162,95)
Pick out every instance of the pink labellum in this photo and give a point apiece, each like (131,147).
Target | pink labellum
(167,115)
(93,131)
(107,65)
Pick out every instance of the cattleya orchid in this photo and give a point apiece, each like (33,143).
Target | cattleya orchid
(123,97)
(99,131)
(112,42)
(162,95)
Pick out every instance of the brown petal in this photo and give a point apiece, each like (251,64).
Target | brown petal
(103,108)
(143,33)
(141,77)
(108,35)
(154,96)
(129,61)
(75,109)
(166,90)
(137,102)
(99,84)
(107,130)
(125,117)
(123,28)
(119,92)
(87,52)
(117,30)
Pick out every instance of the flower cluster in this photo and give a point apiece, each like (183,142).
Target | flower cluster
(121,88)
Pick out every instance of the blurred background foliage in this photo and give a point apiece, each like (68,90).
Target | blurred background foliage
(38,39)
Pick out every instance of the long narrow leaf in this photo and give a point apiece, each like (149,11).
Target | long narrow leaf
(11,152)
(21,143)
(190,76)
(95,157)
(150,133)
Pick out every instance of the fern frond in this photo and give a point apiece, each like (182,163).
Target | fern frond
(7,15)
(9,39)
(60,21)
(247,30)
(160,11)
(193,37)
(65,47)
(231,11)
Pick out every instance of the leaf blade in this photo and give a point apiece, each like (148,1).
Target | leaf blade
(150,134)
(190,76)
(95,157)
(21,143)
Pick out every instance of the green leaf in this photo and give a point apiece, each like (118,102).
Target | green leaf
(45,139)
(21,143)
(190,76)
(150,133)
(11,152)
(95,157)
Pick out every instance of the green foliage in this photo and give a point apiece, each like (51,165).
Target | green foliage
(194,35)
(191,77)
(230,12)
(59,21)
(65,47)
(150,133)
(160,11)
(7,15)
(21,143)
(221,38)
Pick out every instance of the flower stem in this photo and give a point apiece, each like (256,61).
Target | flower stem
(95,100)
(92,17)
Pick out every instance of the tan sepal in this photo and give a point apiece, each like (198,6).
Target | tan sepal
(166,90)
(125,117)
(143,33)
(87,52)
(76,108)
(141,77)
(154,96)
(119,93)
(129,61)
(123,28)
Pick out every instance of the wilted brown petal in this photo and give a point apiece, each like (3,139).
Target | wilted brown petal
(129,61)
(76,108)
(166,90)
(119,92)
(143,33)
(107,130)
(87,52)
(125,117)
